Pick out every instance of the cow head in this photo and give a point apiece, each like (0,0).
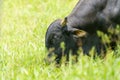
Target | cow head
(57,33)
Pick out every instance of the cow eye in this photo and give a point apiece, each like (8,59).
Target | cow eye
(57,37)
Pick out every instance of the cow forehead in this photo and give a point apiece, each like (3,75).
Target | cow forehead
(54,24)
(54,27)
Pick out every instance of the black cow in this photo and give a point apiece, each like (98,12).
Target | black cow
(79,29)
(57,34)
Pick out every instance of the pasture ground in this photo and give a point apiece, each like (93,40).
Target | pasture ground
(23,24)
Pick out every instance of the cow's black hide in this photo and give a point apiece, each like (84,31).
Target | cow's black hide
(79,28)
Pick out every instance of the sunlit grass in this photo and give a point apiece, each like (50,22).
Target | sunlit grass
(22,35)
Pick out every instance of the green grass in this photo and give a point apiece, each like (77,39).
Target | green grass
(22,50)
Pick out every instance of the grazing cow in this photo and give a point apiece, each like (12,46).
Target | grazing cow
(57,34)
(79,28)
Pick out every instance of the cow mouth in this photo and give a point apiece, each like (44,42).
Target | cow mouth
(49,59)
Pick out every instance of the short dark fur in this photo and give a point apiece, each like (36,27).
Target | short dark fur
(90,16)
(57,34)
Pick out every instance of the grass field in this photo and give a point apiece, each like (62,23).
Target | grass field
(22,35)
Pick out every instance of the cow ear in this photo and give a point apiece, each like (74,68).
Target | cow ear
(64,22)
(80,33)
